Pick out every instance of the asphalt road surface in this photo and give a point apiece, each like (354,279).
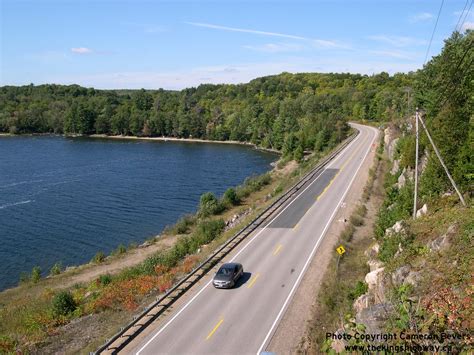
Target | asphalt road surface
(275,257)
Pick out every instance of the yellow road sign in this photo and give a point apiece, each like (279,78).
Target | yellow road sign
(340,249)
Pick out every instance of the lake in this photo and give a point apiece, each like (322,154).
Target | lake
(64,199)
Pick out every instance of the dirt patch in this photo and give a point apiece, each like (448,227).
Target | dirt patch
(116,264)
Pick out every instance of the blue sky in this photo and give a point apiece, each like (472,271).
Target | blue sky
(178,44)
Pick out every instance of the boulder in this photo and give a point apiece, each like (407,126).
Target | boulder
(373,251)
(374,317)
(413,278)
(399,275)
(401,179)
(395,166)
(362,302)
(374,264)
(422,211)
(398,227)
(443,242)
(376,284)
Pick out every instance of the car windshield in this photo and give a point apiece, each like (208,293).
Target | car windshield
(224,271)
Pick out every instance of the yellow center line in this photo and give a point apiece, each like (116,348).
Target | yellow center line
(253,280)
(338,172)
(215,328)
(277,249)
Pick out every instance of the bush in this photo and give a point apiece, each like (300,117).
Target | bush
(207,231)
(99,257)
(182,226)
(56,269)
(253,184)
(121,249)
(357,220)
(63,304)
(230,196)
(36,274)
(209,205)
(359,289)
(105,279)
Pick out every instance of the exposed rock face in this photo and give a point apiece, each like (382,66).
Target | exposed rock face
(395,167)
(376,284)
(401,179)
(399,276)
(362,302)
(374,317)
(390,142)
(443,242)
(373,251)
(422,211)
(395,229)
(374,264)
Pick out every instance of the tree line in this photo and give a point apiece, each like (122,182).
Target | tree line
(286,112)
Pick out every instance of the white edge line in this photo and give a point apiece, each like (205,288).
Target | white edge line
(240,251)
(313,251)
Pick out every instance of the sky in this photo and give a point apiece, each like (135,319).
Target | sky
(111,44)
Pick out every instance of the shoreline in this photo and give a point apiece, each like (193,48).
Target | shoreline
(174,139)
(158,139)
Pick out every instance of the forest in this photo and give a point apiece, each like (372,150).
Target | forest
(286,112)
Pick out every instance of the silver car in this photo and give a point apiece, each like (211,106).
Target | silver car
(227,275)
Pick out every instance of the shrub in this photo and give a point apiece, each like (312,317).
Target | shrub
(36,274)
(183,224)
(105,279)
(209,205)
(56,269)
(357,220)
(359,289)
(253,184)
(99,257)
(230,196)
(121,249)
(63,304)
(207,231)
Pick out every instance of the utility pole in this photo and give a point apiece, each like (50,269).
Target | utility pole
(441,161)
(416,165)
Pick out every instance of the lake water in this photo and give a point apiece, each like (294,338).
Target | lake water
(64,199)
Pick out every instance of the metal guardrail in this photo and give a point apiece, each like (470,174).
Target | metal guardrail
(153,311)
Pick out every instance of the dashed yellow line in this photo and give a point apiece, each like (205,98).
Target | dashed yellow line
(335,176)
(277,249)
(253,280)
(215,328)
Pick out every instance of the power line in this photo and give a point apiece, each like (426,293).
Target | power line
(434,30)
(461,15)
(465,16)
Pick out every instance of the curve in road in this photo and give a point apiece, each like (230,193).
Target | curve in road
(242,320)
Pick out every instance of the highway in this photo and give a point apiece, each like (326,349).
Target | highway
(275,257)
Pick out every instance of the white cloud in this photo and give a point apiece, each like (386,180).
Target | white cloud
(423,16)
(398,41)
(320,43)
(234,29)
(467,26)
(276,47)
(81,50)
(394,54)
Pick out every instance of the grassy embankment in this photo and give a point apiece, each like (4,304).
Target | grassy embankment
(42,315)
